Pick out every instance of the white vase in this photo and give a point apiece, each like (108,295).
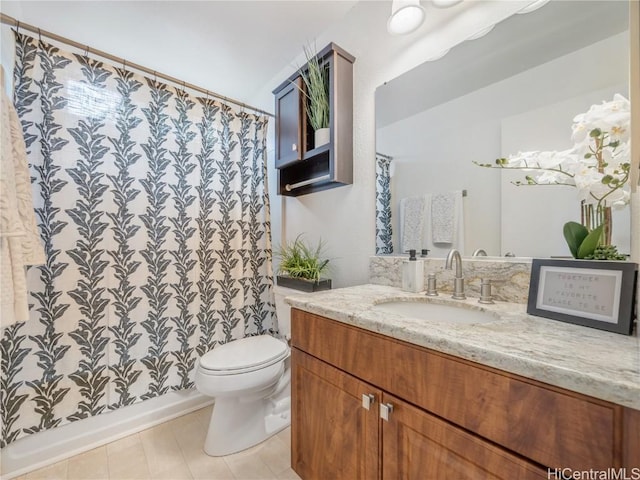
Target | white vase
(321,137)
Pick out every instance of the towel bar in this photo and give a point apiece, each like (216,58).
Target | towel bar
(289,187)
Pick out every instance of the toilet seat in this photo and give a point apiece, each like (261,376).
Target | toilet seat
(244,355)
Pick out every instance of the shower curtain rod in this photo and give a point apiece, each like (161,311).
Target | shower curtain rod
(8,20)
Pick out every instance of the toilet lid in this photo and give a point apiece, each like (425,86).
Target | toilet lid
(245,354)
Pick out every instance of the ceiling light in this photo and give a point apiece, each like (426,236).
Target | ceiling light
(406,16)
(445,3)
(437,56)
(533,6)
(481,33)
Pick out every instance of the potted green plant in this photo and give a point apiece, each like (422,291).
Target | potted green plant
(302,266)
(315,77)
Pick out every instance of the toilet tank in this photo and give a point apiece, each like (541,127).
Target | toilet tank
(283,309)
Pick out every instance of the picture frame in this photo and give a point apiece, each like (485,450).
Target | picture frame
(592,293)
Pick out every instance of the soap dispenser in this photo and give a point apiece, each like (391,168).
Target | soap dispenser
(413,273)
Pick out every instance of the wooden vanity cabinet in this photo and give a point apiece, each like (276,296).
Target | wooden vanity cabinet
(450,418)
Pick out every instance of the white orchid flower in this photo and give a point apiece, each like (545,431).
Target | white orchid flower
(552,159)
(620,201)
(580,131)
(587,177)
(605,155)
(552,178)
(522,159)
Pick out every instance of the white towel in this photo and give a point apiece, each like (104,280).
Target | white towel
(412,214)
(446,210)
(20,243)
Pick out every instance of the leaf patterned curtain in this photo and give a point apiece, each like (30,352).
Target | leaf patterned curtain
(384,243)
(153,209)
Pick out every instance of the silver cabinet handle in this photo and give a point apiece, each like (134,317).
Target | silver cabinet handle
(368,399)
(385,411)
(294,147)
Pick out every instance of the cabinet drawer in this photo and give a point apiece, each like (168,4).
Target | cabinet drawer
(551,426)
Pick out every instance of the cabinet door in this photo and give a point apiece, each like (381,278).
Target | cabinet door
(289,127)
(418,445)
(333,436)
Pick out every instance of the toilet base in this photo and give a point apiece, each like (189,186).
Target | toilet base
(237,425)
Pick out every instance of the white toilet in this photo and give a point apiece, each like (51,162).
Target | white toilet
(250,379)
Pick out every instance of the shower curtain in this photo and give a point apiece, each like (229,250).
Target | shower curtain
(153,209)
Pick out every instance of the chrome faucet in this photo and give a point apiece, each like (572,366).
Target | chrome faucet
(479,252)
(458,282)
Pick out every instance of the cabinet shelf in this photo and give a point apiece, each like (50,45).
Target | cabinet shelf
(302,167)
(316,151)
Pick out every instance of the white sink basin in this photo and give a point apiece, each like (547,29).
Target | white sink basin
(436,312)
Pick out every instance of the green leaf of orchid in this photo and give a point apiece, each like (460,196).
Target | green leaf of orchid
(591,241)
(574,234)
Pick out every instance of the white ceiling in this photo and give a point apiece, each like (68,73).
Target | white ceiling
(231,47)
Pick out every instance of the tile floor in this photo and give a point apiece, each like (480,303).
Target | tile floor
(173,451)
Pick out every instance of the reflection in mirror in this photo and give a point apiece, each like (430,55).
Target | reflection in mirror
(516,89)
(384,236)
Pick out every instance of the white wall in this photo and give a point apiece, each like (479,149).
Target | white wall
(433,151)
(345,217)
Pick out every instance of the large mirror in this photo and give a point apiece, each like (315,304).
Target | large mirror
(517,88)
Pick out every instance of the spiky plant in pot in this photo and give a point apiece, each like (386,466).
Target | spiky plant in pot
(316,82)
(302,266)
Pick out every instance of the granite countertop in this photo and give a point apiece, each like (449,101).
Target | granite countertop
(593,362)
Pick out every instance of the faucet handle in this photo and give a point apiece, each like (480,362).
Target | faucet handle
(485,292)
(432,291)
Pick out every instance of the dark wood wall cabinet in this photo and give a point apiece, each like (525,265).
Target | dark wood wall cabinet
(366,406)
(302,166)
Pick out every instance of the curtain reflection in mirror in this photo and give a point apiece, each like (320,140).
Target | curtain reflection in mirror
(383,204)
